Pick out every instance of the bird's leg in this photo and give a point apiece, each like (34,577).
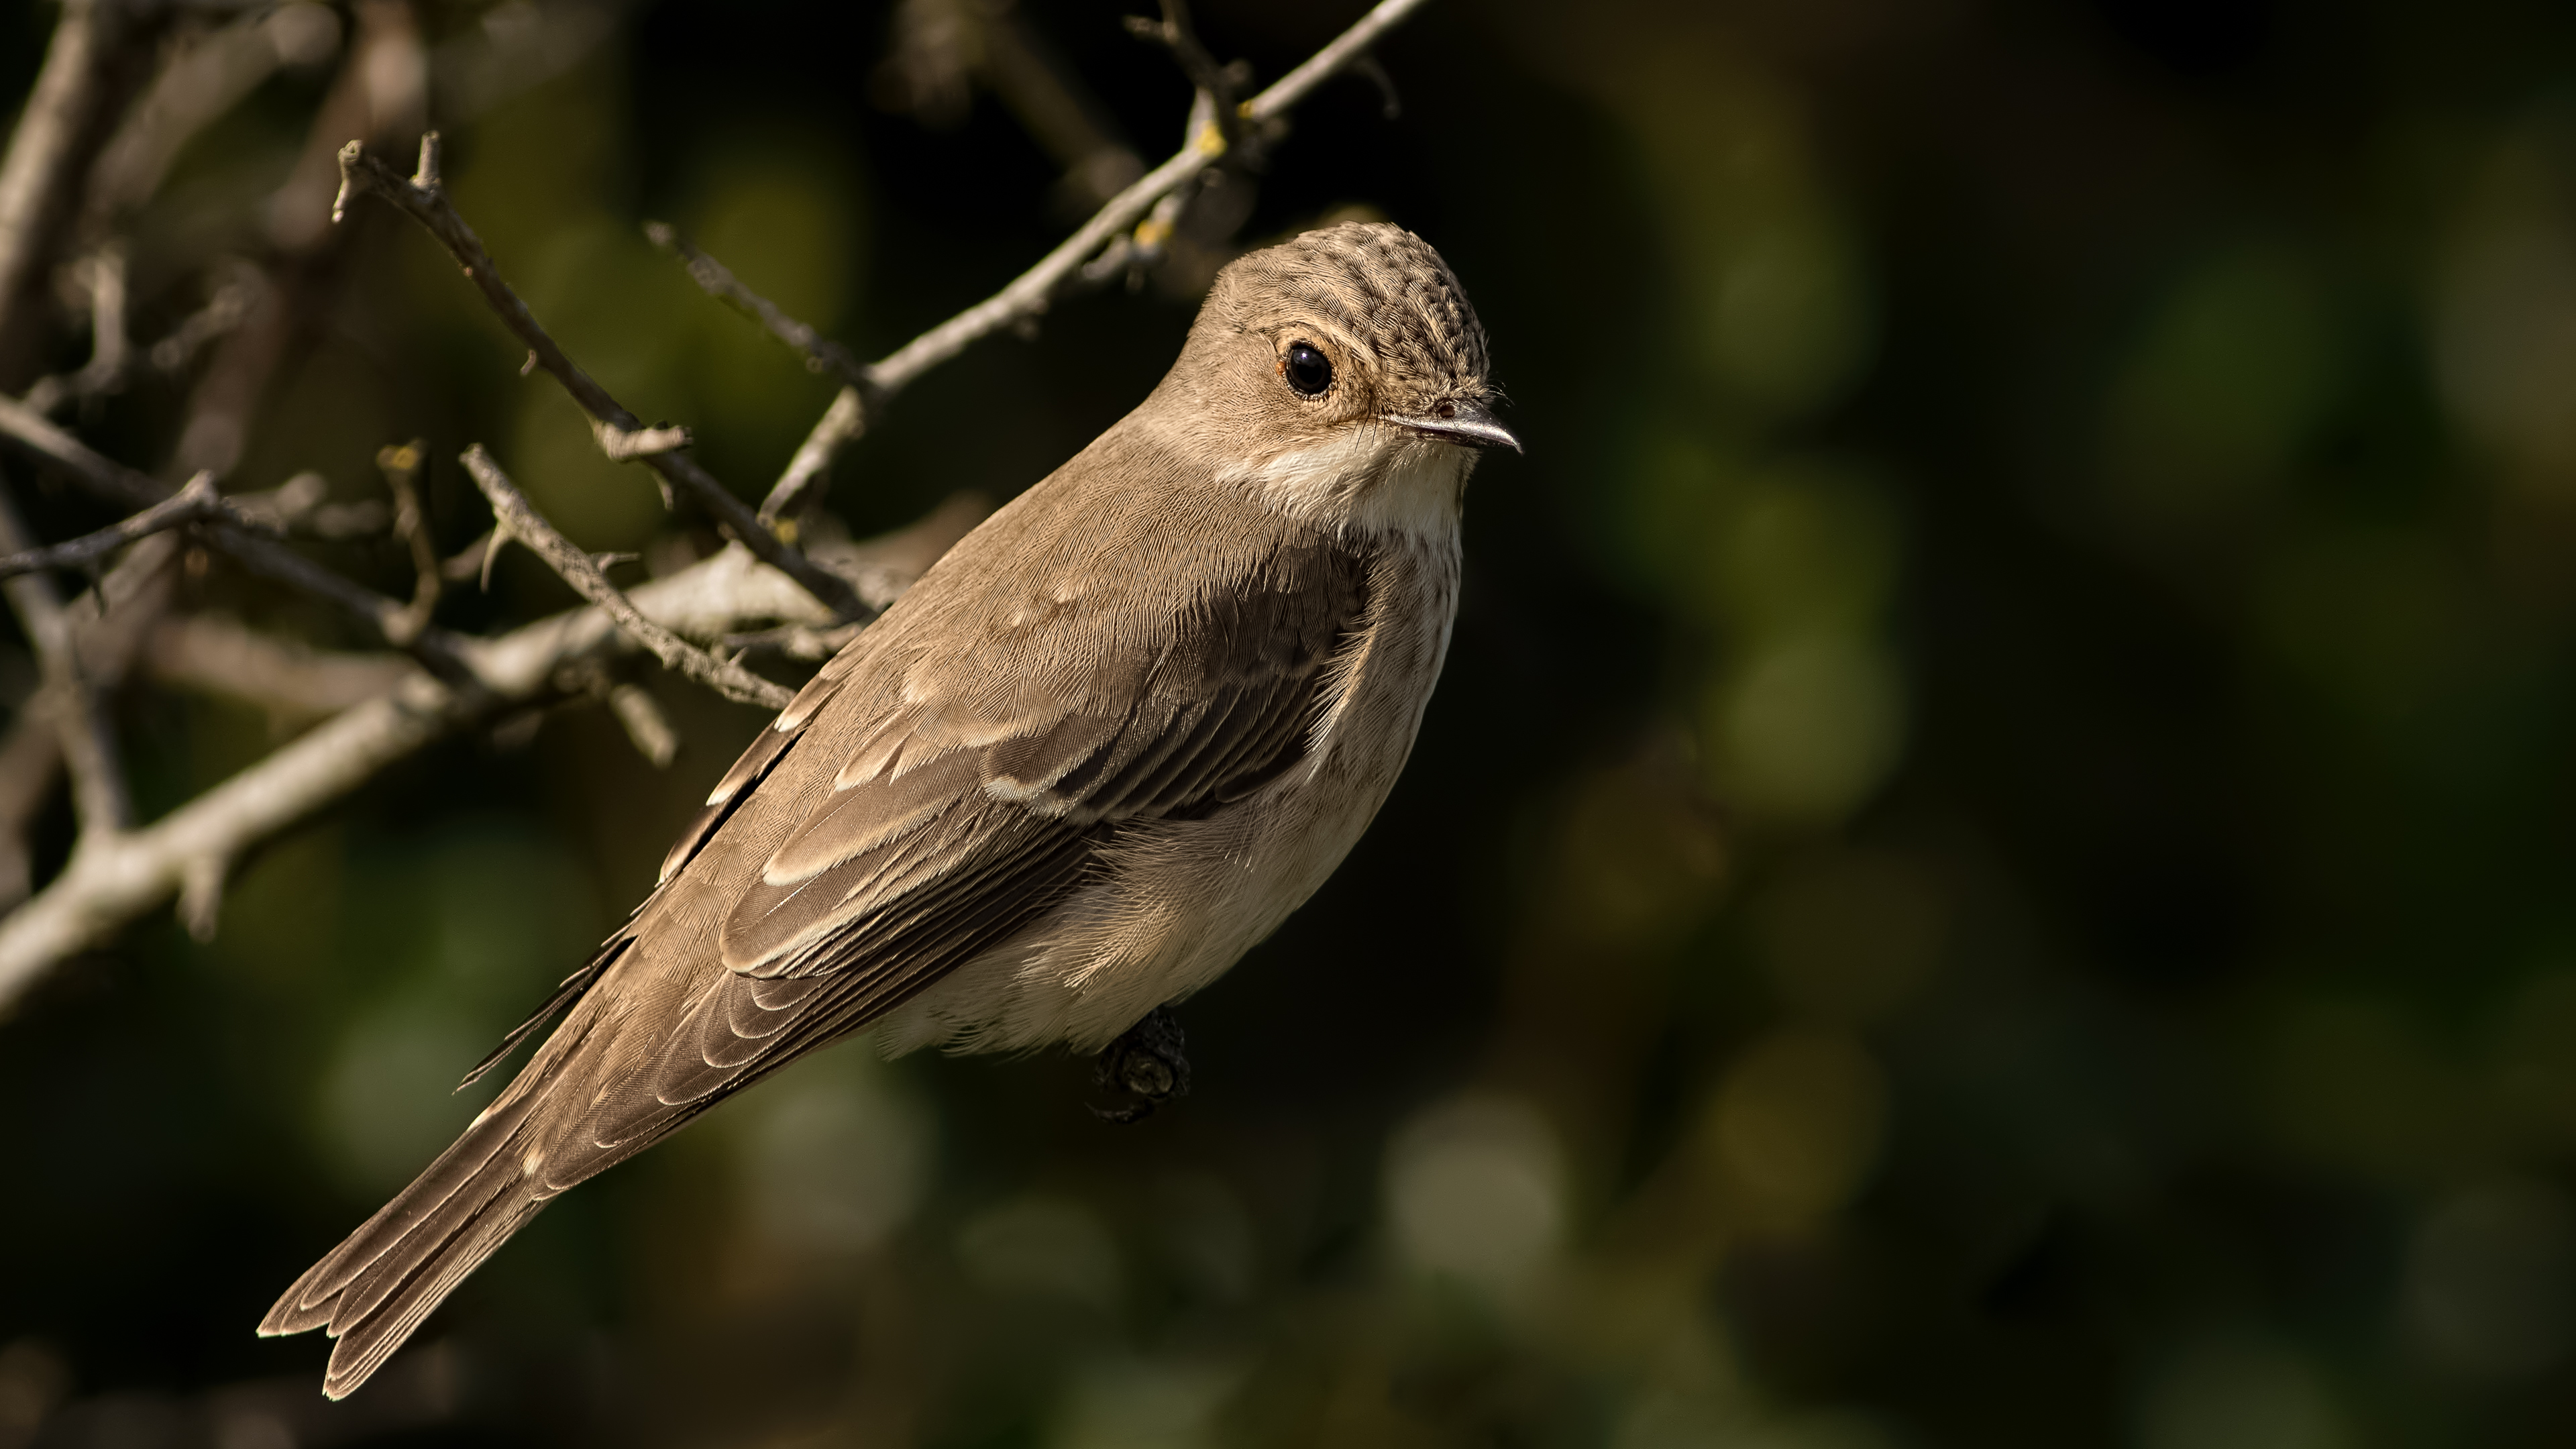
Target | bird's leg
(1146,1064)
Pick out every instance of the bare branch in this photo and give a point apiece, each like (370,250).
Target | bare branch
(512,514)
(425,202)
(1345,51)
(102,889)
(88,745)
(707,600)
(196,503)
(209,654)
(1028,294)
(102,275)
(1140,251)
(474,559)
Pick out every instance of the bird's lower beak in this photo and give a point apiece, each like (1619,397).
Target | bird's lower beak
(1465,423)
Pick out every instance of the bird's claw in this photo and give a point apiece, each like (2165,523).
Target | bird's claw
(1145,1063)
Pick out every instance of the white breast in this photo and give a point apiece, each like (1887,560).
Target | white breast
(1184,899)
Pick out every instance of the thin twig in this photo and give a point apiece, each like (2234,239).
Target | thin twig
(512,514)
(841,425)
(88,744)
(425,201)
(822,354)
(196,503)
(100,474)
(1029,294)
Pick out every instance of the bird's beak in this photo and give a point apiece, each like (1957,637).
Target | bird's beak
(1469,424)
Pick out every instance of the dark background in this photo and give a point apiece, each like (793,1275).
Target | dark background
(1991,866)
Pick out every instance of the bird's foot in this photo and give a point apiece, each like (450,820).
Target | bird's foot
(1146,1064)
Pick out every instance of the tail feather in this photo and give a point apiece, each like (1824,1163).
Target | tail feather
(373,1290)
(448,1228)
(366,1343)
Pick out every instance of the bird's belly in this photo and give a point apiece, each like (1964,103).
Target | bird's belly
(1180,901)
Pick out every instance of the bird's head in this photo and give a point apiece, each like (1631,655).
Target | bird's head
(1341,376)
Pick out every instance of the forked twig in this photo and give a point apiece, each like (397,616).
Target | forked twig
(196,503)
(512,514)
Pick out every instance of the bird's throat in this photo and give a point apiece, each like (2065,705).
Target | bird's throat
(1372,479)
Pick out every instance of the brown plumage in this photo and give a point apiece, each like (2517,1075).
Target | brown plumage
(1105,745)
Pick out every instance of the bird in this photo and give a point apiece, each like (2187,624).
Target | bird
(1103,747)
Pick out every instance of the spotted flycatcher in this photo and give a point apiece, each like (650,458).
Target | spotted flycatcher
(1102,747)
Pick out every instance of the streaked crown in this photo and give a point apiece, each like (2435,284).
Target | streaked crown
(1390,291)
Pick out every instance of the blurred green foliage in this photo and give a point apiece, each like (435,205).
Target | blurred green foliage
(1993,866)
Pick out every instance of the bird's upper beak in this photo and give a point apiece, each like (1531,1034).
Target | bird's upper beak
(1469,424)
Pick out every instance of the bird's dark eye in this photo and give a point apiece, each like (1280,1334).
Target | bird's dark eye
(1307,369)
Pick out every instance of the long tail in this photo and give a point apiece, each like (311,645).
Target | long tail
(375,1288)
(568,1116)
